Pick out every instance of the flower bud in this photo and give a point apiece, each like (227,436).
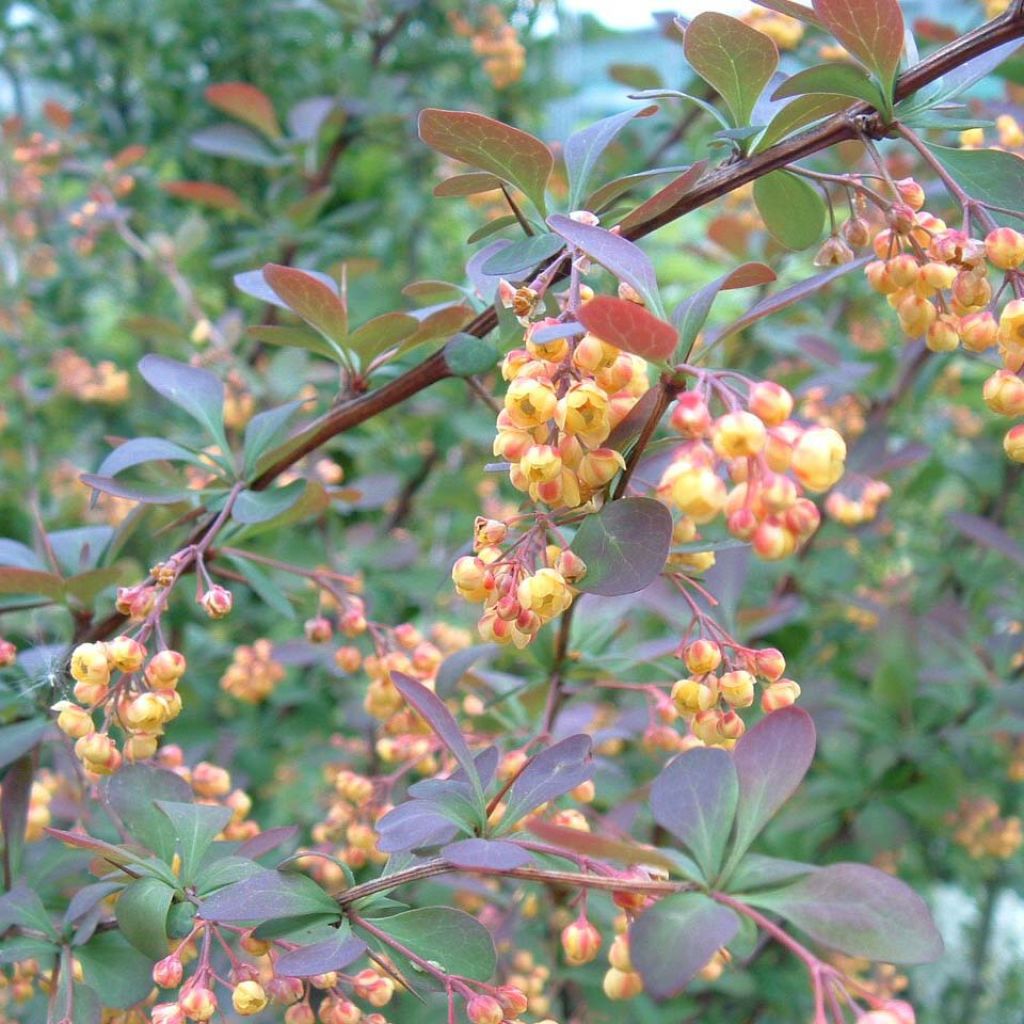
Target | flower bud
(770,402)
(738,434)
(167,973)
(600,466)
(72,720)
(89,664)
(217,602)
(769,663)
(1013,443)
(166,1013)
(737,688)
(126,654)
(944,334)
(1005,248)
(164,670)
(834,252)
(1003,393)
(779,695)
(857,232)
(581,942)
(702,657)
(619,985)
(530,402)
(98,753)
(373,987)
(513,1000)
(618,954)
(249,998)
(318,630)
(978,331)
(198,1003)
(819,458)
(300,1013)
(483,1009)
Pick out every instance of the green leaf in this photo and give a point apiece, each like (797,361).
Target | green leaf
(381,333)
(195,827)
(470,184)
(991,176)
(265,430)
(131,795)
(801,112)
(466,355)
(31,581)
(266,896)
(236,142)
(140,450)
(844,79)
(792,210)
(116,969)
(15,796)
(457,942)
(872,30)
(23,908)
(514,156)
(624,546)
(584,148)
(199,392)
(733,58)
(309,298)
(672,940)
(259,506)
(141,912)
(18,947)
(492,227)
(756,871)
(266,589)
(294,337)
(225,871)
(860,911)
(19,738)
(522,255)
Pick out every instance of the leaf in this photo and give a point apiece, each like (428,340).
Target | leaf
(433,291)
(433,711)
(18,738)
(454,940)
(524,254)
(333,954)
(141,912)
(600,847)
(414,825)
(206,193)
(252,282)
(708,108)
(771,760)
(268,840)
(438,323)
(308,116)
(79,548)
(756,871)
(195,827)
(664,198)
(236,142)
(801,112)
(467,185)
(457,664)
(733,58)
(15,795)
(23,908)
(466,355)
(116,969)
(495,854)
(629,327)
(672,940)
(860,911)
(294,337)
(987,534)
(246,103)
(140,450)
(134,492)
(492,227)
(88,898)
(225,871)
(635,76)
(514,156)
(837,77)
(131,795)
(793,9)
(792,209)
(17,947)
(18,555)
(958,80)
(265,430)
(694,797)
(312,300)
(872,30)
(991,176)
(602,198)
(266,896)
(690,314)
(269,592)
(624,546)
(199,392)
(105,851)
(583,149)
(261,506)
(381,333)
(624,259)
(549,775)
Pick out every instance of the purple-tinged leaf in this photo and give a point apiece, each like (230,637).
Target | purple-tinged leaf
(771,761)
(860,911)
(467,185)
(630,428)
(672,940)
(626,261)
(15,793)
(267,896)
(736,60)
(131,492)
(293,336)
(18,738)
(310,299)
(695,799)
(485,285)
(438,322)
(496,854)
(514,156)
(548,775)
(431,291)
(793,9)
(21,906)
(199,392)
(18,555)
(792,209)
(457,664)
(624,546)
(783,300)
(664,198)
(236,142)
(987,534)
(262,506)
(602,198)
(629,327)
(486,764)
(690,314)
(225,871)
(266,841)
(334,954)
(140,450)
(413,825)
(253,283)
(583,149)
(872,30)
(557,330)
(106,851)
(307,117)
(88,898)
(599,847)
(432,709)
(957,81)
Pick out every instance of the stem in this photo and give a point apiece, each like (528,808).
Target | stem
(556,694)
(666,393)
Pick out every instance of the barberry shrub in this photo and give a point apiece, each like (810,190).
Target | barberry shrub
(461,661)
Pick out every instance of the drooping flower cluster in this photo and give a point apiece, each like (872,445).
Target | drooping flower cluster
(770,459)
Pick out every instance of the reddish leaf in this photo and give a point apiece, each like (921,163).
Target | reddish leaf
(381,333)
(629,327)
(311,299)
(205,193)
(31,581)
(246,103)
(872,30)
(514,156)
(733,58)
(664,198)
(599,847)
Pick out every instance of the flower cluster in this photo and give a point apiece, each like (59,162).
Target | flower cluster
(497,42)
(770,459)
(76,376)
(253,673)
(980,829)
